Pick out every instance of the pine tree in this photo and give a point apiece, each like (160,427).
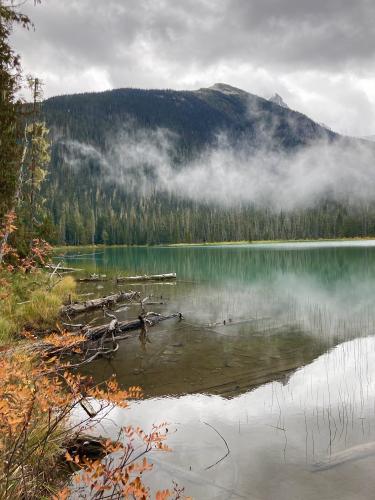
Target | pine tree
(11,129)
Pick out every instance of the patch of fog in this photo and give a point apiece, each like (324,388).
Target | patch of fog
(143,161)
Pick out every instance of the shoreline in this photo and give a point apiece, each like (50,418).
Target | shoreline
(99,246)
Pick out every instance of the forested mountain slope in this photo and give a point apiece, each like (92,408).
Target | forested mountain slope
(105,146)
(196,116)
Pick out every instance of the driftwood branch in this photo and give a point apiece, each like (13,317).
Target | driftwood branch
(55,270)
(226,445)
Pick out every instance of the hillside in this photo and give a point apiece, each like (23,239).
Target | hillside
(94,200)
(196,116)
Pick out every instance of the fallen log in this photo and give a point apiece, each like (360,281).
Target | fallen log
(91,280)
(148,277)
(77,256)
(89,305)
(148,303)
(151,319)
(91,339)
(94,278)
(52,267)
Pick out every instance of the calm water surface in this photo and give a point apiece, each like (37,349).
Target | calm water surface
(288,381)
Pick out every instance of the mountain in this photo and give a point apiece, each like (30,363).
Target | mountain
(90,201)
(325,126)
(277,99)
(195,116)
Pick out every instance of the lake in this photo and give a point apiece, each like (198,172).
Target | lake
(274,361)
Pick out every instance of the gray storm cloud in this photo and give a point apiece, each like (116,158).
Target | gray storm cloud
(330,34)
(142,161)
(318,54)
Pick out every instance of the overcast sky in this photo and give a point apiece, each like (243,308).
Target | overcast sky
(318,54)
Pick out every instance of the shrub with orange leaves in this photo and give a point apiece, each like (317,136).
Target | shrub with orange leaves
(7,252)
(14,270)
(38,255)
(39,394)
(38,251)
(37,399)
(63,341)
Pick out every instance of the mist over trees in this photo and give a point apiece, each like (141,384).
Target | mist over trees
(113,187)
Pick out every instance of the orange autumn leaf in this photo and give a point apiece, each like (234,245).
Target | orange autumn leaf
(163,495)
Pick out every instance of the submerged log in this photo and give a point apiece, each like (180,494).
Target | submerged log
(148,277)
(231,322)
(151,319)
(349,455)
(89,305)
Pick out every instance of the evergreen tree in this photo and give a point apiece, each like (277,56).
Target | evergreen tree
(11,127)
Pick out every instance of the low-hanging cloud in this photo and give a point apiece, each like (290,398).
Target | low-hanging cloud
(143,161)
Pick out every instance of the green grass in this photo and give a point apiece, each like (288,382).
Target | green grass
(31,301)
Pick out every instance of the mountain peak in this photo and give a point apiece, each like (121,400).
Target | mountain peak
(277,99)
(226,89)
